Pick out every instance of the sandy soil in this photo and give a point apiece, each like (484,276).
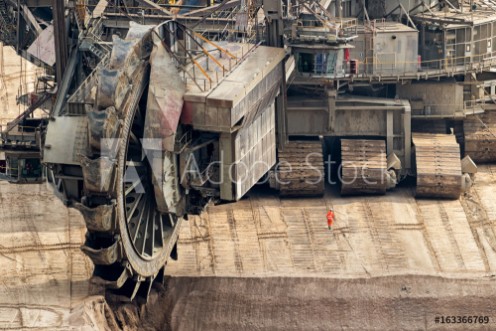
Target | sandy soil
(390,263)
(384,303)
(44,283)
(393,234)
(45,280)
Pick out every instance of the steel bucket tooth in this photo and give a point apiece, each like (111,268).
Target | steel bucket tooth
(102,255)
(98,174)
(112,276)
(99,219)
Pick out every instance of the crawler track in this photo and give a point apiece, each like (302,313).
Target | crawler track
(301,169)
(364,166)
(439,173)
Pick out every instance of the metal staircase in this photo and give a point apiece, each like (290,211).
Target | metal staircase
(93,41)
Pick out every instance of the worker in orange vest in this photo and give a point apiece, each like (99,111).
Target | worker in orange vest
(330,218)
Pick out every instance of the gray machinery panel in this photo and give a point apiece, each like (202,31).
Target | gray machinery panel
(66,140)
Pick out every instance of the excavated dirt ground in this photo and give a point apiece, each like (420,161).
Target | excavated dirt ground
(390,263)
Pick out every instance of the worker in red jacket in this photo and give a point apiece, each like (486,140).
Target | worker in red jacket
(330,218)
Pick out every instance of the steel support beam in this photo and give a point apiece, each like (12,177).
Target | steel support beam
(274,23)
(281,116)
(331,109)
(60,38)
(29,17)
(407,131)
(153,5)
(209,10)
(38,3)
(389,131)
(441,20)
(64,84)
(121,21)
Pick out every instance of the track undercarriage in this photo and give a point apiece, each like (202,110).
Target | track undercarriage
(438,166)
(480,136)
(364,167)
(301,169)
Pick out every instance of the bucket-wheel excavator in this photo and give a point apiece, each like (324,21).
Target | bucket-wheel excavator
(157,112)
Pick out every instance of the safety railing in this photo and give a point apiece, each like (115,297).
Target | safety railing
(348,26)
(381,66)
(474,106)
(335,27)
(161,10)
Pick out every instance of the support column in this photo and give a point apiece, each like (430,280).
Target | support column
(390,132)
(60,37)
(331,109)
(275,26)
(407,122)
(337,8)
(281,116)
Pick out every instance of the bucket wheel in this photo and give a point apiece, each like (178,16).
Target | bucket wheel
(128,239)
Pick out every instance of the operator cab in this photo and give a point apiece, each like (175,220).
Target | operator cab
(320,45)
